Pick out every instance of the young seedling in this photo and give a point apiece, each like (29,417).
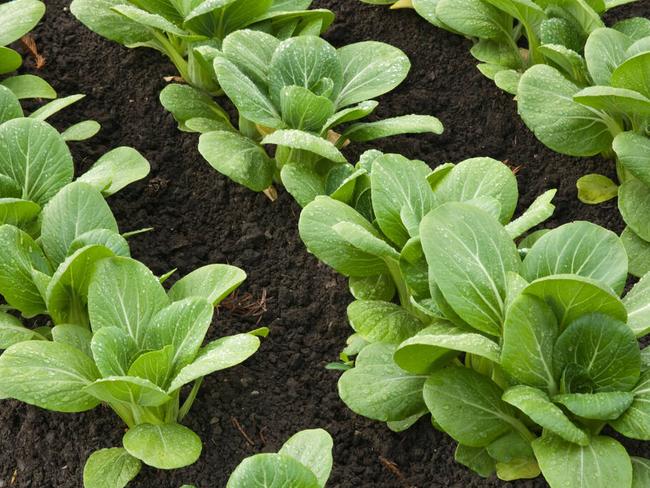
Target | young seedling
(294,95)
(607,116)
(144,345)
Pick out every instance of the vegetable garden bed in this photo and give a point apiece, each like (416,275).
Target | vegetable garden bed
(201,217)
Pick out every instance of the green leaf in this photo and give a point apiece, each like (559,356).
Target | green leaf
(614,100)
(213,282)
(99,16)
(378,287)
(20,256)
(469,254)
(272,471)
(406,124)
(18,18)
(594,189)
(518,469)
(473,18)
(475,458)
(34,155)
(635,422)
(218,355)
(154,21)
(377,388)
(49,375)
(634,74)
(637,303)
(510,447)
(365,241)
(297,139)
(110,468)
(635,28)
(12,331)
(399,187)
(508,80)
(599,406)
(468,406)
(116,169)
(124,293)
(75,336)
(183,326)
(641,472)
(302,182)
(349,114)
(540,210)
(252,52)
(113,350)
(539,408)
(529,334)
(75,210)
(239,158)
(370,69)
(29,86)
(54,107)
(187,103)
(569,61)
(14,211)
(385,322)
(155,366)
(313,449)
(633,152)
(316,226)
(604,52)
(634,205)
(476,178)
(127,389)
(9,105)
(638,251)
(81,131)
(579,248)
(572,296)
(101,237)
(548,109)
(303,110)
(608,365)
(166,446)
(601,464)
(10,60)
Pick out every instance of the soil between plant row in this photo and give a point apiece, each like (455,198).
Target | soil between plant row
(200,217)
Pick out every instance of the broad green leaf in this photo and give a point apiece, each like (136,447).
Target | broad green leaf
(55,106)
(124,293)
(510,447)
(272,471)
(155,366)
(572,296)
(17,212)
(250,101)
(599,406)
(304,61)
(498,51)
(480,177)
(239,158)
(313,449)
(101,237)
(508,80)
(406,124)
(613,364)
(110,468)
(35,156)
(183,326)
(469,254)
(153,21)
(634,74)
(302,182)
(635,27)
(218,355)
(641,472)
(569,61)
(99,16)
(468,406)
(12,331)
(539,408)
(637,303)
(540,210)
(370,69)
(113,350)
(75,336)
(19,257)
(9,104)
(365,241)
(475,458)
(594,189)
(10,60)
(303,110)
(473,18)
(385,322)
(399,187)
(18,17)
(518,469)
(438,343)
(316,226)
(127,389)
(252,52)
(634,205)
(635,422)
(49,375)
(601,464)
(638,251)
(81,131)
(165,446)
(378,287)
(377,388)
(29,86)
(75,210)
(548,109)
(297,139)
(604,52)
(187,103)
(614,100)
(213,282)
(633,152)
(579,248)
(350,114)
(529,334)
(116,169)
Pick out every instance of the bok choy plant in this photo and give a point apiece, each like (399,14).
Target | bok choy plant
(292,95)
(144,345)
(177,28)
(609,115)
(554,31)
(523,354)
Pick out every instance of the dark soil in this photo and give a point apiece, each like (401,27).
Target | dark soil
(200,217)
